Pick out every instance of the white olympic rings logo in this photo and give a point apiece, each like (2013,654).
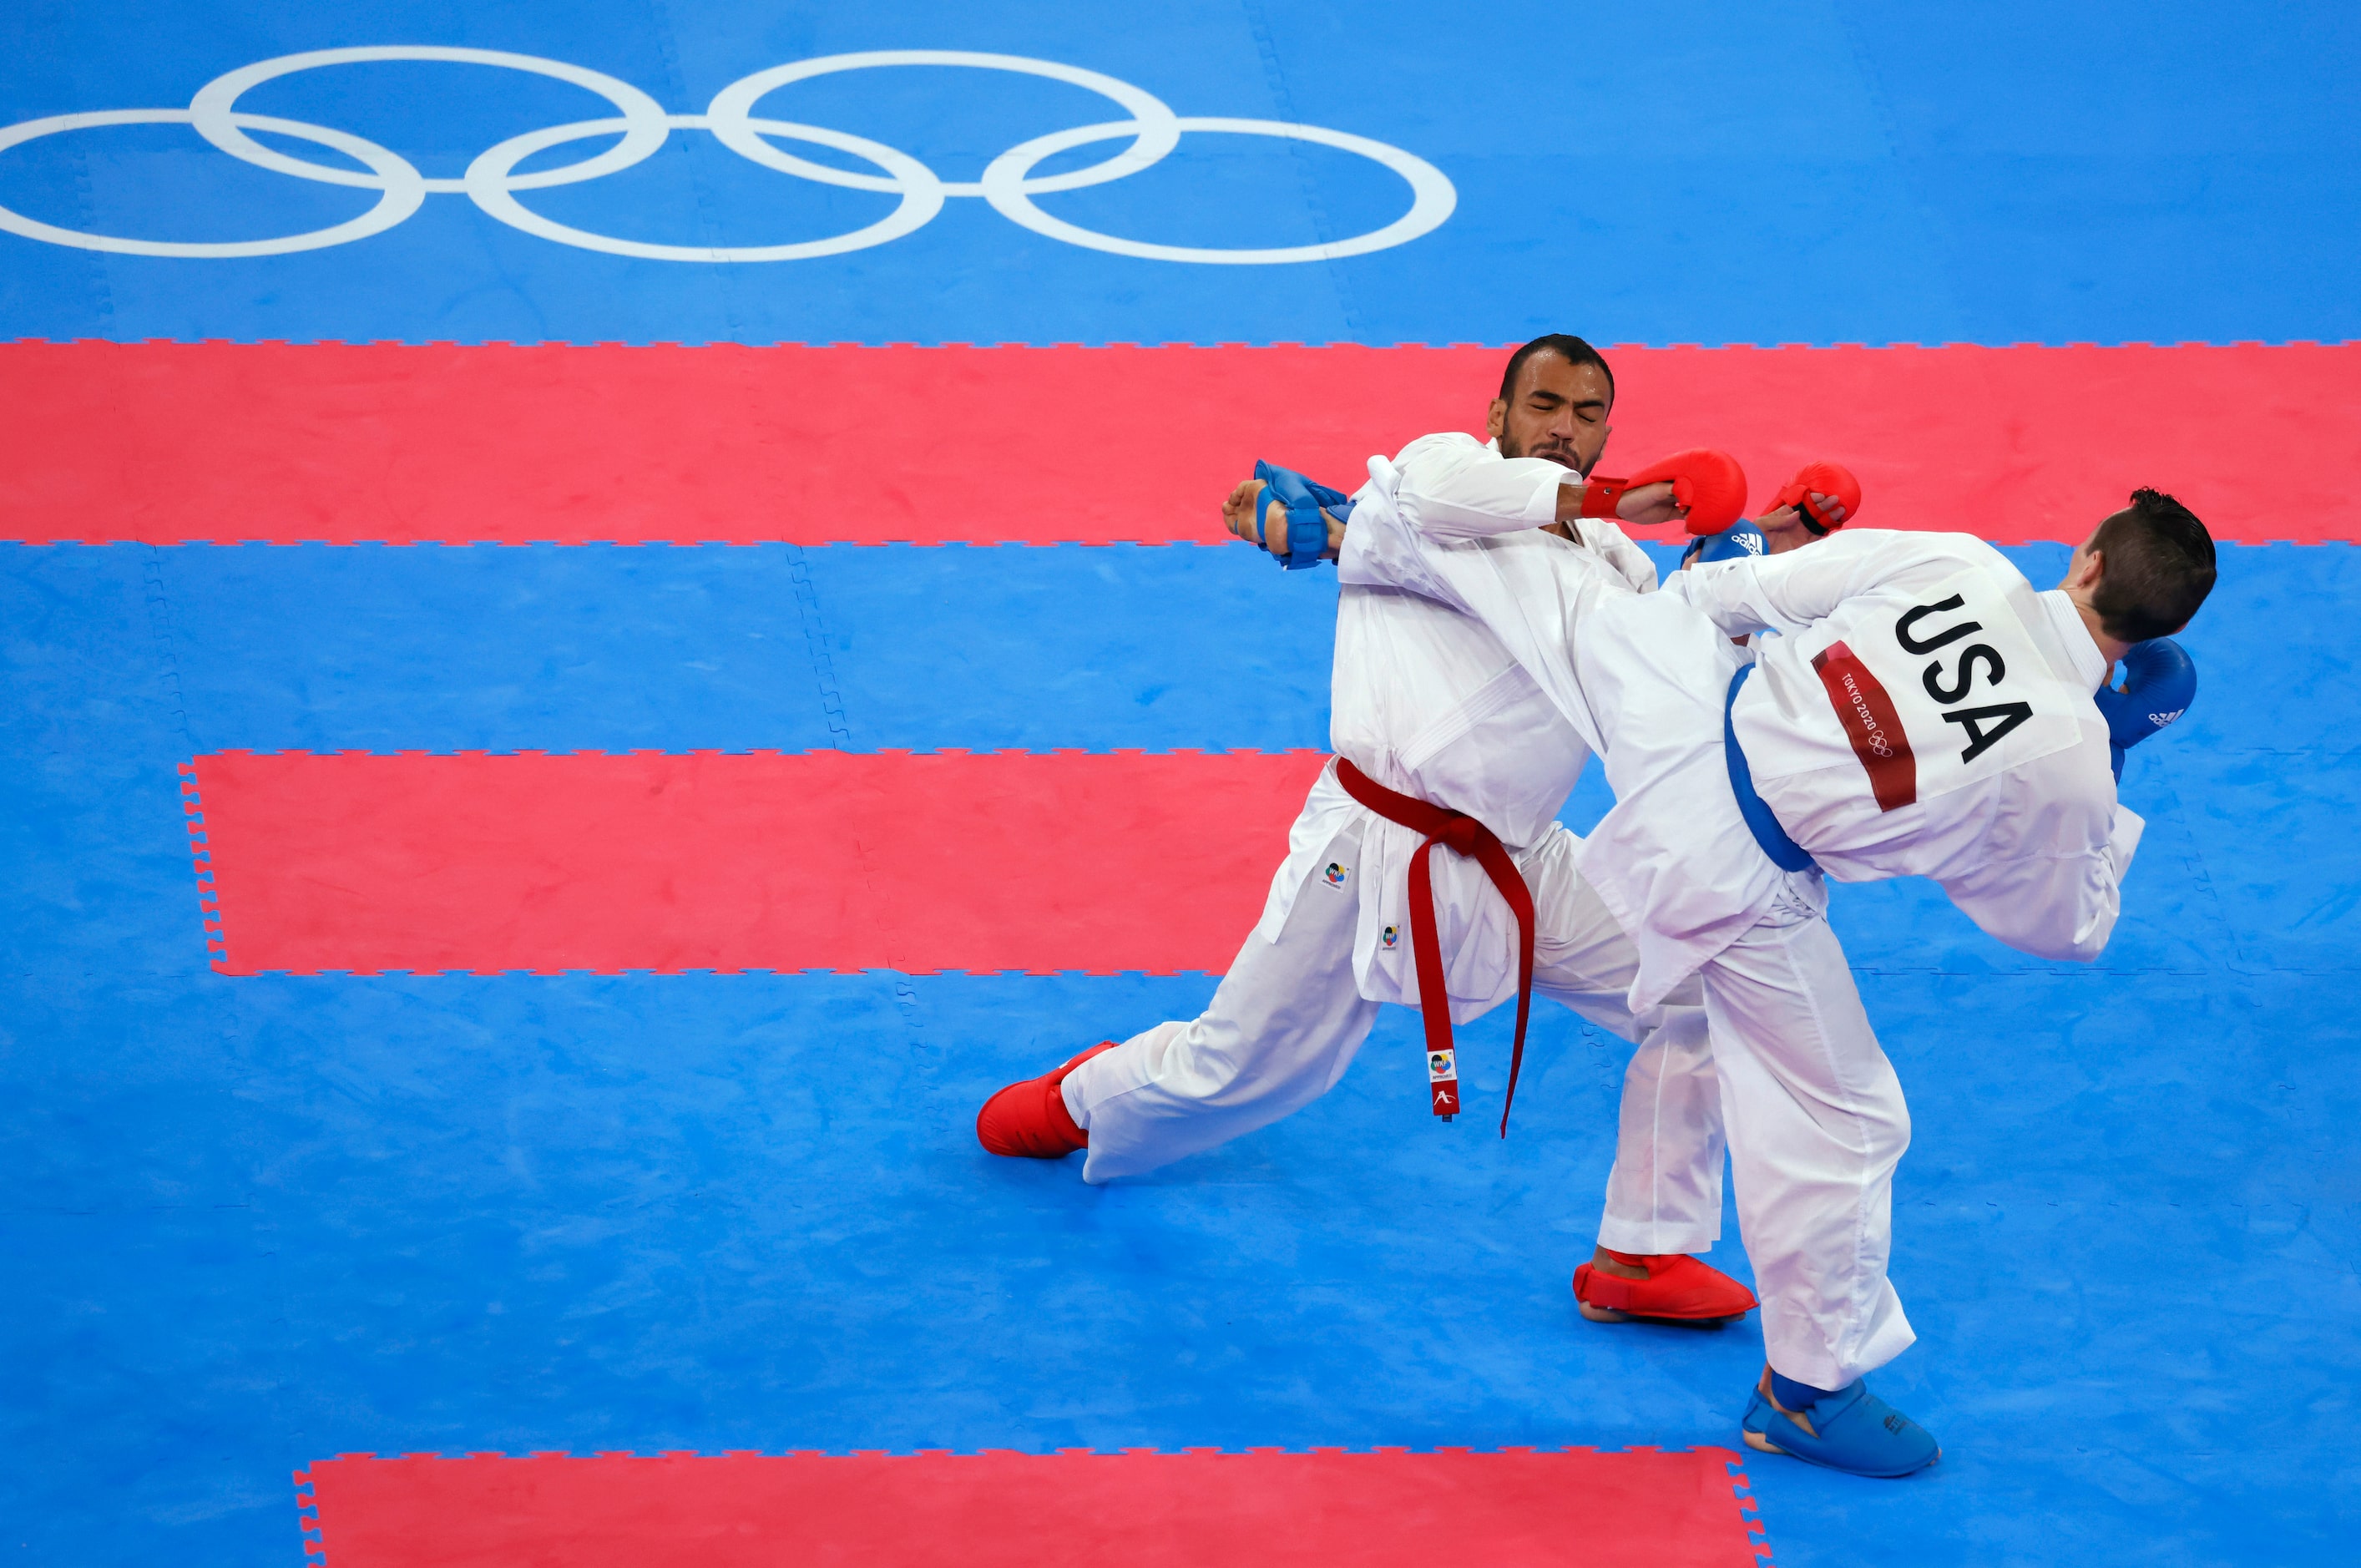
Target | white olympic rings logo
(492,182)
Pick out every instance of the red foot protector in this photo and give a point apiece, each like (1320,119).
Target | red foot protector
(821,860)
(163,442)
(1264,1508)
(1678,1287)
(1029,1120)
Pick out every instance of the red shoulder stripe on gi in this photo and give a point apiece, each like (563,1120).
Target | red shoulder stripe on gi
(1869,722)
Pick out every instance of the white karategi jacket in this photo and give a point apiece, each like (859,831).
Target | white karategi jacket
(1923,711)
(1452,596)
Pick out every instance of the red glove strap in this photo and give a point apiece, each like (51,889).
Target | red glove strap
(1600,495)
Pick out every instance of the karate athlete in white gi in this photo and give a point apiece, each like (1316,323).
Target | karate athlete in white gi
(1905,703)
(1922,711)
(1434,699)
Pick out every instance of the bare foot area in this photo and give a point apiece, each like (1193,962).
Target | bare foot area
(1608,1262)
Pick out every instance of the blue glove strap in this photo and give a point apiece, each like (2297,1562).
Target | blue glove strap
(2160,682)
(1736,543)
(1307,536)
(1307,531)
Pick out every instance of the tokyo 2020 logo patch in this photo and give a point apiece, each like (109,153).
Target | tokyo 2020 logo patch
(492,182)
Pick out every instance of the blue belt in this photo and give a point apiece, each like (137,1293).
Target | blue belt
(1784,852)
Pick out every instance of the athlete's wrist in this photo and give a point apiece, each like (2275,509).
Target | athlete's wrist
(1570,494)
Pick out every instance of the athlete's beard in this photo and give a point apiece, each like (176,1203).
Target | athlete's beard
(1562,455)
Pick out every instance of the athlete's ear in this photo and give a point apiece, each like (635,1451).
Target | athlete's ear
(2085,572)
(1496,420)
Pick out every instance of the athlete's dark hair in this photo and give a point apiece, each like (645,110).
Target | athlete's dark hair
(2159,568)
(1573,348)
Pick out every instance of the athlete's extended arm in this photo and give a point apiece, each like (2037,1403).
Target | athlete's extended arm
(1789,591)
(1454,488)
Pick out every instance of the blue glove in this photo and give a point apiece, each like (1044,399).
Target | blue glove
(1307,531)
(2160,682)
(1739,540)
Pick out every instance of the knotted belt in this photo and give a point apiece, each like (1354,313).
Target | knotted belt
(1459,832)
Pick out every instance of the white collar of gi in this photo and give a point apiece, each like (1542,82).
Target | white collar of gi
(2091,666)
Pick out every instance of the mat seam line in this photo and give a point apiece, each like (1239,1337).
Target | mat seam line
(102,278)
(807,610)
(708,211)
(160,629)
(160,626)
(1323,225)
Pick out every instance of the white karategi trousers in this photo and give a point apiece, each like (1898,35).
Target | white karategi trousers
(1813,1110)
(1288,1018)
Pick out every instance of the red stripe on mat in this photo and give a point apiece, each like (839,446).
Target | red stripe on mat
(164,442)
(1259,1509)
(713,861)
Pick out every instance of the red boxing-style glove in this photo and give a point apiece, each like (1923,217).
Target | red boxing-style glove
(1832,479)
(1708,483)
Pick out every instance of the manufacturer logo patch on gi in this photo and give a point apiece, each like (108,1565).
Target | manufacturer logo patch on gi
(1337,875)
(1391,936)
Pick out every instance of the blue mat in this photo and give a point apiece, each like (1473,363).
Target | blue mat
(264,1221)
(1851,171)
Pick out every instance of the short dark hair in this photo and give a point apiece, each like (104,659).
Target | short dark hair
(1566,344)
(2159,567)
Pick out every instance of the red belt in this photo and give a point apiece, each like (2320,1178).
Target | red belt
(1458,831)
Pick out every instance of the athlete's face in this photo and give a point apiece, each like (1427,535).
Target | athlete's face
(1559,412)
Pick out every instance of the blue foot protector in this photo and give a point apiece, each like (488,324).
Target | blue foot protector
(1856,1431)
(1307,531)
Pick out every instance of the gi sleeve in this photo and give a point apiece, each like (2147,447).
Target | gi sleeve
(1452,487)
(1788,592)
(2053,906)
(1382,550)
